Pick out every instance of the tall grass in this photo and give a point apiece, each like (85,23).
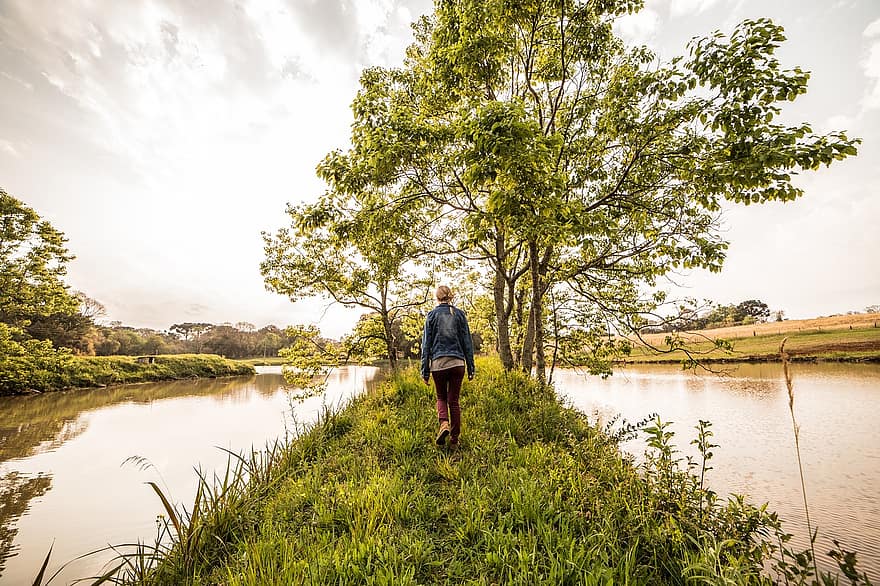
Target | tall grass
(802,566)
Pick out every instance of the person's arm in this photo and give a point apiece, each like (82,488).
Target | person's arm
(426,349)
(468,344)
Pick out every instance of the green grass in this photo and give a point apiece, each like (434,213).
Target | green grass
(23,374)
(843,344)
(535,495)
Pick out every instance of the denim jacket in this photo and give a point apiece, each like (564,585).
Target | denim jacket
(447,334)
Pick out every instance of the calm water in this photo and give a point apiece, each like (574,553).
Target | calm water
(836,405)
(62,477)
(61,454)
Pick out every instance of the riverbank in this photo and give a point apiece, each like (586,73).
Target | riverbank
(823,339)
(23,374)
(536,494)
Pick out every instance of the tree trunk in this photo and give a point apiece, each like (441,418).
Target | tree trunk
(537,311)
(389,341)
(553,360)
(528,345)
(520,325)
(501,311)
(503,325)
(390,346)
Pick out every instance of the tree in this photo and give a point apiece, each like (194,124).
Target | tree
(33,262)
(309,359)
(90,308)
(64,330)
(576,164)
(348,247)
(191,331)
(755,309)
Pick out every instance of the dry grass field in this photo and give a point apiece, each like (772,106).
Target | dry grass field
(840,337)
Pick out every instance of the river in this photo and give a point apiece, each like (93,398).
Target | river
(62,477)
(62,474)
(836,406)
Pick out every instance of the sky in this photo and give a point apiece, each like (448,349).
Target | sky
(163,136)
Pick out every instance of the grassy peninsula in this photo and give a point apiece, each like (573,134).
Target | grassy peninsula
(53,370)
(537,494)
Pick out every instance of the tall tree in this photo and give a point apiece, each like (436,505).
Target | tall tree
(353,250)
(541,135)
(33,262)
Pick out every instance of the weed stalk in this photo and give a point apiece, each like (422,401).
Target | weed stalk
(786,368)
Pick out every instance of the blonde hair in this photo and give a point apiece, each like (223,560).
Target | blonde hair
(443,294)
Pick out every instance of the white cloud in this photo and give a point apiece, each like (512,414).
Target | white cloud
(871,66)
(24,84)
(639,27)
(7,147)
(873,29)
(838,123)
(690,7)
(218,114)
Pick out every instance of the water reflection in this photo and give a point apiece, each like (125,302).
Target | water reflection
(16,493)
(61,477)
(836,407)
(29,425)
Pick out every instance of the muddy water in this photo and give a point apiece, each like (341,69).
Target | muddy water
(63,476)
(837,407)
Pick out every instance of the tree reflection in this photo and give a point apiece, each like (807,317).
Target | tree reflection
(16,493)
(35,424)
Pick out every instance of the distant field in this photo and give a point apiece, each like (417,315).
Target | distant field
(844,337)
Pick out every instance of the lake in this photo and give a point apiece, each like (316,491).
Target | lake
(62,477)
(836,406)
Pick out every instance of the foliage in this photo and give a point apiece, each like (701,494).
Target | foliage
(571,164)
(33,259)
(350,248)
(33,365)
(189,338)
(308,361)
(30,364)
(690,317)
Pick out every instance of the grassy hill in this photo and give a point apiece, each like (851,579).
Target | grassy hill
(847,337)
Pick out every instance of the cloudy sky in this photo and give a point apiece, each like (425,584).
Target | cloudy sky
(162,136)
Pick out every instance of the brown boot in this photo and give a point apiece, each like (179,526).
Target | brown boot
(443,433)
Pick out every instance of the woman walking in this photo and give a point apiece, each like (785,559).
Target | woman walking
(447,349)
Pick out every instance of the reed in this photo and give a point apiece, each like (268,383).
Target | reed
(786,369)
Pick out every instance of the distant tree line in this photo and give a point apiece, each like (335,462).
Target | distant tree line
(40,313)
(746,312)
(241,340)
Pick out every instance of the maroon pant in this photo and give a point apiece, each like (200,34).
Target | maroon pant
(447,384)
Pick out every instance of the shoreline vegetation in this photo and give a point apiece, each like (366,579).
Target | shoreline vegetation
(21,375)
(845,338)
(537,494)
(848,338)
